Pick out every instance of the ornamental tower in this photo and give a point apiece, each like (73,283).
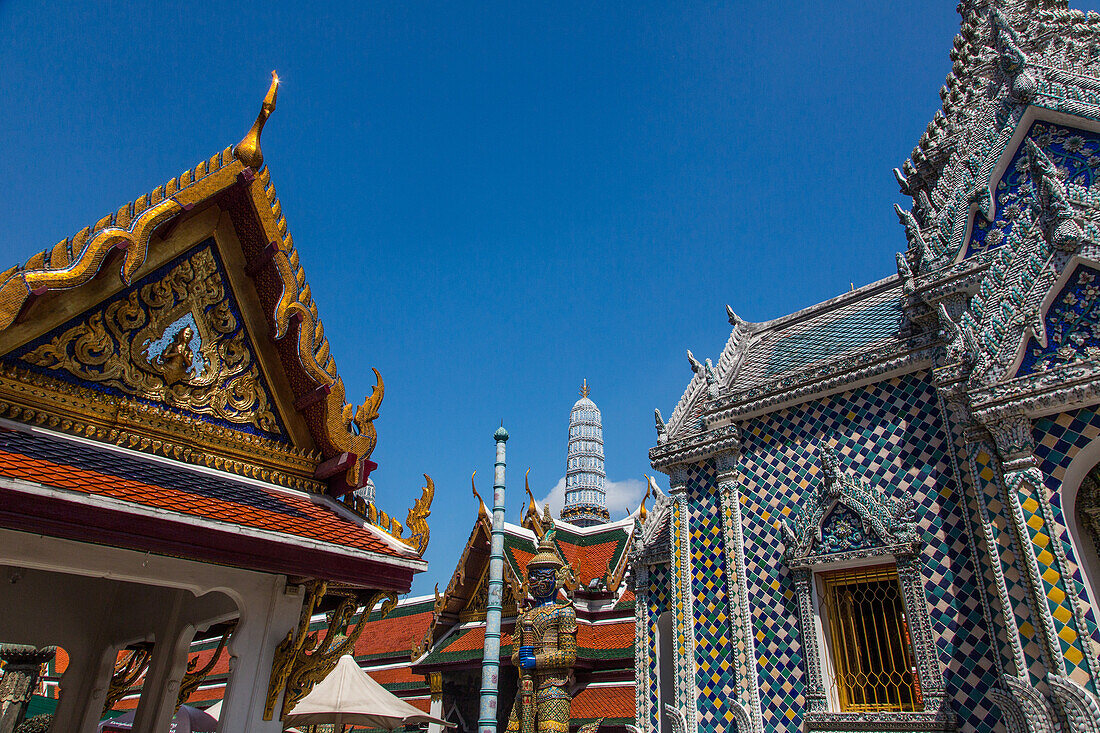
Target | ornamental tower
(585,500)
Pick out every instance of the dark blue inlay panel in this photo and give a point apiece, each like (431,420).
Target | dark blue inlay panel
(1076,153)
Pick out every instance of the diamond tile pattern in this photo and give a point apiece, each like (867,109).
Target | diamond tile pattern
(659,597)
(889,434)
(713,648)
(1059,438)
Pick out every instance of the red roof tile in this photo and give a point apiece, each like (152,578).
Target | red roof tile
(283,512)
(591,561)
(396,676)
(603,702)
(393,635)
(605,636)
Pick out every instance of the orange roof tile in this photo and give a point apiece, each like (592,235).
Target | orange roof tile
(603,702)
(283,512)
(393,635)
(591,561)
(605,636)
(396,676)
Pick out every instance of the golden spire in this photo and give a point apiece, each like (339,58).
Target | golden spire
(584,388)
(481,510)
(648,488)
(248,150)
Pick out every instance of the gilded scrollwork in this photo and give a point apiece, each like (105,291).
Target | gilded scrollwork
(176,341)
(127,671)
(417,519)
(304,658)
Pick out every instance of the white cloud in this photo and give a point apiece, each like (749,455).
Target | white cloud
(623,497)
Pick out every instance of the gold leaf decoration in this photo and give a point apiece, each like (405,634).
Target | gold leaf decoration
(174,341)
(417,519)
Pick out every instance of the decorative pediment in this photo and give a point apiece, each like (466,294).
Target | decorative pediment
(183,324)
(651,529)
(1070,330)
(1040,222)
(173,340)
(844,513)
(1004,67)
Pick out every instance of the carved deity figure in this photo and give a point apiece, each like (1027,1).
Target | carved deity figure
(176,359)
(544,648)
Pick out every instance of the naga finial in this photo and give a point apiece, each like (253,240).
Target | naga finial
(641,507)
(480,502)
(733,319)
(248,149)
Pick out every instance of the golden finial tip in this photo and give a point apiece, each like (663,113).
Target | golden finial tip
(248,149)
(584,388)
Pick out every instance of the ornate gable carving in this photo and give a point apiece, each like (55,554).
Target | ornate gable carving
(1040,222)
(845,513)
(173,339)
(1071,326)
(1008,55)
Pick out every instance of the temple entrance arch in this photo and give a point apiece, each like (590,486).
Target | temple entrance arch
(1081,512)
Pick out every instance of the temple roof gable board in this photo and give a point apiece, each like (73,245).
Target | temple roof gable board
(183,325)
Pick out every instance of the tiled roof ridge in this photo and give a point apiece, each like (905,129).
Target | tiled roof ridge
(745,334)
(825,306)
(74,261)
(321,500)
(44,487)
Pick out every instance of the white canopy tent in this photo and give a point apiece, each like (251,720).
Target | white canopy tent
(215,712)
(348,696)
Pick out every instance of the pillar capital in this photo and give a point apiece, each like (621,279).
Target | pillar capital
(677,479)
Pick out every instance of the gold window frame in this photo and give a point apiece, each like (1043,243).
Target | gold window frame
(868,640)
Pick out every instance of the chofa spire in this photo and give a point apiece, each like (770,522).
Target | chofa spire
(248,149)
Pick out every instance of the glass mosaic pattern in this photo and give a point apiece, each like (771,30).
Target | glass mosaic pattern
(1076,153)
(891,434)
(715,665)
(1059,438)
(658,596)
(1072,325)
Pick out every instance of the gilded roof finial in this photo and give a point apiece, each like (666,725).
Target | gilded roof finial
(584,388)
(248,150)
(641,508)
(531,506)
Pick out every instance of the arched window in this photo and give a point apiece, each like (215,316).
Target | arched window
(1087,516)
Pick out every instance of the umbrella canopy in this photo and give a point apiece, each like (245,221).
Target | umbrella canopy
(348,696)
(187,720)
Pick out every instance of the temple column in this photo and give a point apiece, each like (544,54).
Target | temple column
(159,692)
(747,702)
(1028,509)
(22,664)
(686,703)
(435,683)
(643,645)
(267,613)
(84,688)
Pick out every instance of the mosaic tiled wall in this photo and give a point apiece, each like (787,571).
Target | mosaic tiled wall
(714,660)
(890,434)
(988,491)
(659,598)
(1058,440)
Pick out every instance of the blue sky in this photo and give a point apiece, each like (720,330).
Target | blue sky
(495,201)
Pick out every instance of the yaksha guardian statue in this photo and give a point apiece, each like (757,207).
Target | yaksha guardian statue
(544,648)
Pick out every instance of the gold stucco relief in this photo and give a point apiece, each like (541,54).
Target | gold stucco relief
(175,341)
